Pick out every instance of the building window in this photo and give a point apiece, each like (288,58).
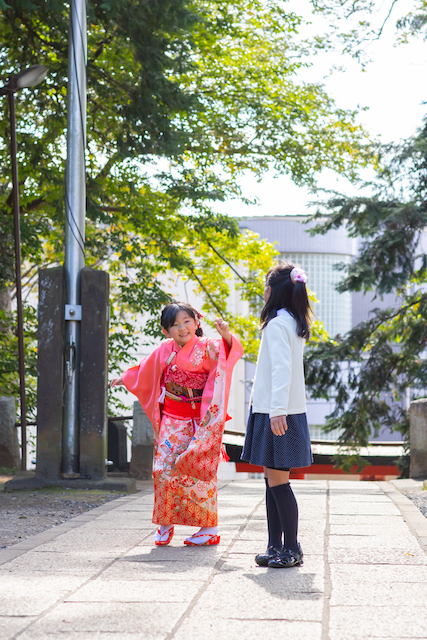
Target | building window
(333,309)
(317,433)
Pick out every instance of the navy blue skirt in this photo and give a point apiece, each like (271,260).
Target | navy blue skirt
(290,451)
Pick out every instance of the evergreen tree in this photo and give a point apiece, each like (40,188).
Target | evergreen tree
(368,371)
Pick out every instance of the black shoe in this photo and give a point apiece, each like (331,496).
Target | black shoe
(286,558)
(262,558)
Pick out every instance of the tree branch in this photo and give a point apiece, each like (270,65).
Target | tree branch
(231,266)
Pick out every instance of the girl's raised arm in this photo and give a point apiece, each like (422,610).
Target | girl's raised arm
(116,382)
(223,330)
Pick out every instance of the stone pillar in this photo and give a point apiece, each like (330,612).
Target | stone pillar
(50,372)
(94,373)
(9,445)
(141,463)
(418,438)
(117,446)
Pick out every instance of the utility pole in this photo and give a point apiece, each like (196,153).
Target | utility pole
(75,208)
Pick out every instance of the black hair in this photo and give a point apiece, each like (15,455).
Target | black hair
(171,310)
(287,295)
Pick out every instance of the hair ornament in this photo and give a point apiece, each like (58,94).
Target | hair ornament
(298,275)
(199,314)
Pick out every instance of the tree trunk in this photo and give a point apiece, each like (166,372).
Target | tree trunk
(5,300)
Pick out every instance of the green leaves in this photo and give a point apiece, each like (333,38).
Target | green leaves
(9,374)
(369,371)
(182,97)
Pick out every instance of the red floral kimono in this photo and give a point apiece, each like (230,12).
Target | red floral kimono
(187,429)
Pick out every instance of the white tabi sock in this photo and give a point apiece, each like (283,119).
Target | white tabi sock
(204,534)
(164,531)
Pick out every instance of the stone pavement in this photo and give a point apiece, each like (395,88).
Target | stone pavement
(99,576)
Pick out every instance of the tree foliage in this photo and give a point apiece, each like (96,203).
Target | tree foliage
(183,96)
(357,24)
(369,370)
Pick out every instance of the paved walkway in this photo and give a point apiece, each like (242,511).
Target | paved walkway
(99,576)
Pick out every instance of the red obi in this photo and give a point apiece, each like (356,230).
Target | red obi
(181,409)
(178,381)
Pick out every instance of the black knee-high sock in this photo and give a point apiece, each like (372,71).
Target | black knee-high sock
(273,520)
(287,508)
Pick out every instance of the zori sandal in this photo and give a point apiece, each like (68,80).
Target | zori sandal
(212,539)
(163,543)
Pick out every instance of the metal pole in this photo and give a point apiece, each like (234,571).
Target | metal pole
(75,207)
(17,235)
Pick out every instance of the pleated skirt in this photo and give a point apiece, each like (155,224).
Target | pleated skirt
(290,451)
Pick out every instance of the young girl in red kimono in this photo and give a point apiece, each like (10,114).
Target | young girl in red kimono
(183,386)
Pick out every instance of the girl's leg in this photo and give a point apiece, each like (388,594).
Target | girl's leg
(273,520)
(274,527)
(287,506)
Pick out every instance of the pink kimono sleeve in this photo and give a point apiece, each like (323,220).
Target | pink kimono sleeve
(144,379)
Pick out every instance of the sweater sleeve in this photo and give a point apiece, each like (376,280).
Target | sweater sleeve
(280,355)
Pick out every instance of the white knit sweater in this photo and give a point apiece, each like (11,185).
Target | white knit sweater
(279,387)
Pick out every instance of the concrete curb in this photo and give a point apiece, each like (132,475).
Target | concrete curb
(127,485)
(16,550)
(415,520)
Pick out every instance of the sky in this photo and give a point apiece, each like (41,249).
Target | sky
(391,87)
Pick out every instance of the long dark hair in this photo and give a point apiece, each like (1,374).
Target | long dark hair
(171,310)
(287,295)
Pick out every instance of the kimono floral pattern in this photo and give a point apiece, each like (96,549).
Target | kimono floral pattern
(200,458)
(179,498)
(186,450)
(184,378)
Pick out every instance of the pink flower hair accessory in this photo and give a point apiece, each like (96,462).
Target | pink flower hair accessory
(298,275)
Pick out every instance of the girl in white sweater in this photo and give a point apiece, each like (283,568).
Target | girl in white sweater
(277,435)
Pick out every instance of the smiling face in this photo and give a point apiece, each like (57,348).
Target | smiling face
(183,329)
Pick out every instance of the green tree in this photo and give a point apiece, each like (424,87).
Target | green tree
(182,97)
(368,370)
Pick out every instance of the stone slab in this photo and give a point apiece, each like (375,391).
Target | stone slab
(397,594)
(80,541)
(378,574)
(36,561)
(137,591)
(258,597)
(369,556)
(356,622)
(11,625)
(20,598)
(133,567)
(267,629)
(152,621)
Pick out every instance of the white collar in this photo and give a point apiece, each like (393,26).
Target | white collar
(282,312)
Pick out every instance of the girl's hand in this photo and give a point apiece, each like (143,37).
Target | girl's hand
(223,330)
(278,425)
(117,382)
